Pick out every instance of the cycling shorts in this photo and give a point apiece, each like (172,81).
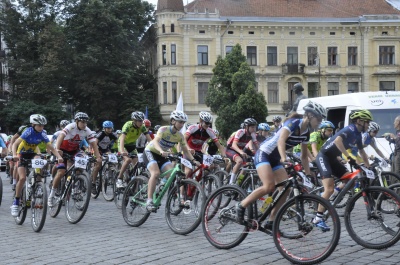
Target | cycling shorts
(273,159)
(150,158)
(231,154)
(329,166)
(25,156)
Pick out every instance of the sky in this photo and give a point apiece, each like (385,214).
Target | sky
(154,2)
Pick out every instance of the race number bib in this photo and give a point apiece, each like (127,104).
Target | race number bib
(186,163)
(38,163)
(81,162)
(207,160)
(112,158)
(140,157)
(306,181)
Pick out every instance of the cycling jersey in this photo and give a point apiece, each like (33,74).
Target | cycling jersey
(212,147)
(351,139)
(73,136)
(105,141)
(197,136)
(2,144)
(30,140)
(242,138)
(168,140)
(132,133)
(315,137)
(295,136)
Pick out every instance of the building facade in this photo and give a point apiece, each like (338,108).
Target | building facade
(331,47)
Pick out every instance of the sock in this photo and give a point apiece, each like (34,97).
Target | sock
(16,201)
(318,217)
(233,177)
(149,200)
(14,181)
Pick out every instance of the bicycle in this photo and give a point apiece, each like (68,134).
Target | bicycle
(109,175)
(184,201)
(291,230)
(73,191)
(34,195)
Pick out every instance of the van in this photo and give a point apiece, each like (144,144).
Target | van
(383,105)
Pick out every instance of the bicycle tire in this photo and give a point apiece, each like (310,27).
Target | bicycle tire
(223,175)
(20,219)
(210,183)
(295,245)
(55,210)
(118,194)
(135,214)
(98,185)
(39,206)
(108,181)
(395,188)
(389,177)
(1,190)
(377,226)
(219,224)
(77,199)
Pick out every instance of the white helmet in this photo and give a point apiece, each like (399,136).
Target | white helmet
(373,126)
(205,116)
(138,116)
(38,119)
(64,123)
(316,109)
(178,116)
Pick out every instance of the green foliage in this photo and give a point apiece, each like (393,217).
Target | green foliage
(231,93)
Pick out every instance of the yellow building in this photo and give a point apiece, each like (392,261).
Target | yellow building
(331,47)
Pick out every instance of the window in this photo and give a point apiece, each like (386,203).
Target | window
(230,32)
(273,92)
(386,85)
(352,55)
(251,32)
(386,55)
(203,88)
(172,27)
(333,88)
(202,54)
(312,89)
(164,54)
(272,56)
(352,33)
(174,92)
(202,31)
(228,49)
(352,87)
(312,56)
(173,54)
(292,55)
(292,33)
(163,28)
(332,33)
(312,33)
(332,56)
(252,55)
(272,33)
(165,92)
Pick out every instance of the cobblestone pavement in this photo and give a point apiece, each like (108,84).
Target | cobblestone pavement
(102,237)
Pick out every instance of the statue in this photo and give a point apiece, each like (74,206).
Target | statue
(298,90)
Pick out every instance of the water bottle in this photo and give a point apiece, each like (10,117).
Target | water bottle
(68,181)
(240,179)
(267,202)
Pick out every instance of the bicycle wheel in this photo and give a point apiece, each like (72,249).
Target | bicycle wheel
(108,180)
(295,235)
(381,228)
(118,194)
(183,206)
(219,224)
(77,199)
(389,178)
(39,206)
(20,219)
(98,184)
(135,212)
(55,210)
(210,183)
(1,191)
(223,176)
(395,188)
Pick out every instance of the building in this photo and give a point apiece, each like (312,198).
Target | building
(331,47)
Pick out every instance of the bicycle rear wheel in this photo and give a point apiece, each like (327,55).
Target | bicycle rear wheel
(382,228)
(135,212)
(39,206)
(219,224)
(295,235)
(223,176)
(210,183)
(55,210)
(98,183)
(109,177)
(20,219)
(389,178)
(77,199)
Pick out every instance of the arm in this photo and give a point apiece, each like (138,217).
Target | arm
(364,157)
(339,144)
(15,146)
(314,150)
(304,158)
(220,148)
(377,150)
(282,144)
(122,143)
(50,147)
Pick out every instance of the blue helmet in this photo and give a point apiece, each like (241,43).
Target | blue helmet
(108,124)
(326,124)
(263,127)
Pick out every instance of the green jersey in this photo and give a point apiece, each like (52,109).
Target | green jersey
(315,137)
(132,133)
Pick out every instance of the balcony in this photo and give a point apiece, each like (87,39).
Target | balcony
(292,69)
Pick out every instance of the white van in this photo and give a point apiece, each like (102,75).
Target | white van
(384,106)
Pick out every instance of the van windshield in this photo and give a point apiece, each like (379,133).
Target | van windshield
(385,119)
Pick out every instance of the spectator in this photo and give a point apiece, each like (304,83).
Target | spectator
(395,139)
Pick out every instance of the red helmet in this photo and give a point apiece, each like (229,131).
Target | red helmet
(147,123)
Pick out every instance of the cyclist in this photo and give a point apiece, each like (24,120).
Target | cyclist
(328,164)
(277,120)
(236,144)
(68,141)
(157,151)
(142,140)
(263,132)
(63,123)
(26,147)
(114,148)
(104,140)
(210,147)
(127,141)
(272,152)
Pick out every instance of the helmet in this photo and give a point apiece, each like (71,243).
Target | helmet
(242,125)
(157,127)
(326,124)
(21,127)
(138,116)
(205,116)
(277,118)
(263,127)
(147,123)
(216,132)
(118,132)
(64,123)
(178,116)
(81,116)
(108,124)
(187,125)
(373,126)
(38,119)
(361,114)
(250,122)
(298,87)
(315,108)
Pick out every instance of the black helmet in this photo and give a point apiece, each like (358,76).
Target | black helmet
(250,122)
(297,87)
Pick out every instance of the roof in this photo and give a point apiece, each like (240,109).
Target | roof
(170,5)
(294,8)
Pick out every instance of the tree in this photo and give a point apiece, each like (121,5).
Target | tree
(232,95)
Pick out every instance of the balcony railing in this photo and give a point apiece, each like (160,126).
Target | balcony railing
(297,68)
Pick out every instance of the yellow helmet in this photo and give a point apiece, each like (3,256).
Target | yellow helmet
(362,114)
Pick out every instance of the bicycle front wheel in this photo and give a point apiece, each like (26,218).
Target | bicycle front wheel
(134,202)
(372,218)
(210,183)
(39,206)
(55,210)
(296,236)
(108,180)
(77,199)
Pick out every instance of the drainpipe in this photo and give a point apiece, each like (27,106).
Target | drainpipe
(228,22)
(361,57)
